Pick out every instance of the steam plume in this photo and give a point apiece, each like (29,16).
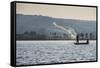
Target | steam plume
(69,31)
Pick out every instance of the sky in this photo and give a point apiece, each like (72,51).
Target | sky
(56,11)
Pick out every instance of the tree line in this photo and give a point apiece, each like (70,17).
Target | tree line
(32,35)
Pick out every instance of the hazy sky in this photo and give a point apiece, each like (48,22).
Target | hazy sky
(67,12)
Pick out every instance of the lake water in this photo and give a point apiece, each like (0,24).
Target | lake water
(46,52)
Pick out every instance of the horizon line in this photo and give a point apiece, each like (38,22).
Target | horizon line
(53,17)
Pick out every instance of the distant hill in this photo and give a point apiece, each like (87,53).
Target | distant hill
(40,23)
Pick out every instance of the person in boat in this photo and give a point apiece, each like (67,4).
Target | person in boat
(77,38)
(87,38)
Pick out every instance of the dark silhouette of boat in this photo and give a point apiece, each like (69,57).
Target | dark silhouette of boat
(80,43)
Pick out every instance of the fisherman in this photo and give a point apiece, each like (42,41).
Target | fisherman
(77,38)
(87,41)
(87,38)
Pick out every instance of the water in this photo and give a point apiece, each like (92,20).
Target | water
(46,52)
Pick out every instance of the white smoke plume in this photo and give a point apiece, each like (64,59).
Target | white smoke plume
(69,31)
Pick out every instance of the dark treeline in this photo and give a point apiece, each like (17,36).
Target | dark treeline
(52,36)
(38,36)
(84,36)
